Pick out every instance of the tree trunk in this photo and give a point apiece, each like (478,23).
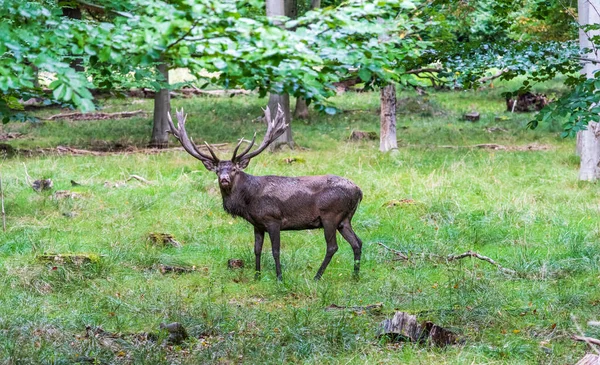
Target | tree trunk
(387,137)
(588,141)
(74,13)
(301,111)
(162,106)
(279,8)
(282,100)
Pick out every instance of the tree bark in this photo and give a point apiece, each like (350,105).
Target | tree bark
(301,110)
(279,8)
(162,106)
(588,141)
(387,137)
(282,100)
(74,13)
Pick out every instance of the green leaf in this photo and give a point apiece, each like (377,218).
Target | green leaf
(364,74)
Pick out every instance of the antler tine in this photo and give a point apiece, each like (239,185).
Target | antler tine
(275,128)
(245,151)
(212,153)
(181,134)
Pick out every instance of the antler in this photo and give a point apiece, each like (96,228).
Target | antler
(275,128)
(181,134)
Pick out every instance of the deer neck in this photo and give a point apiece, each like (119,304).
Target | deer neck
(237,198)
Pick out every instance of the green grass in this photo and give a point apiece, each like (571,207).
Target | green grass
(524,209)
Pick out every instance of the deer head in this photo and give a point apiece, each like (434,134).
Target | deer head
(227,170)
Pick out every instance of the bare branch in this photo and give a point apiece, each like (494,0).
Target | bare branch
(423,70)
(589,340)
(481,257)
(398,253)
(493,77)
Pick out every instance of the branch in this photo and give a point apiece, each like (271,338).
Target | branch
(422,70)
(399,253)
(481,257)
(91,6)
(587,59)
(589,340)
(493,77)
(185,35)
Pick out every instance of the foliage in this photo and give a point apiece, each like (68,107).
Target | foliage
(246,49)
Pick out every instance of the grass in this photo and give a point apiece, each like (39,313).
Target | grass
(525,209)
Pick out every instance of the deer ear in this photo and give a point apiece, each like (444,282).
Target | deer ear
(210,165)
(243,163)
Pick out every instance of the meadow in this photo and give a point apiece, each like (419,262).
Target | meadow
(433,197)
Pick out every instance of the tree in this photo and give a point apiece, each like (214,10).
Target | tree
(589,139)
(387,137)
(279,8)
(301,109)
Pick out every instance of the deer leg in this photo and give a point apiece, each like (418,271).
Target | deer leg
(347,232)
(274,234)
(332,247)
(259,237)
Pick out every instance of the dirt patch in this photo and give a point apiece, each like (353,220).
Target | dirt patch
(499,147)
(97,149)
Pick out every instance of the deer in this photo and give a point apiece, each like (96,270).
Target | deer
(272,204)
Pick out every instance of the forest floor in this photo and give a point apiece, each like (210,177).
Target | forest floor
(436,196)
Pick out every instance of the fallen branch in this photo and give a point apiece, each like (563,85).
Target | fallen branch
(140,179)
(481,257)
(94,116)
(588,340)
(3,212)
(398,253)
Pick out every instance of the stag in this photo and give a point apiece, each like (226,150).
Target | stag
(277,203)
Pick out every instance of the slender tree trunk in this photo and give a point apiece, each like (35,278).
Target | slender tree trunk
(387,138)
(162,106)
(282,100)
(301,111)
(74,13)
(279,8)
(588,141)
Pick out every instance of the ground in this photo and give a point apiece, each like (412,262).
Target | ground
(523,208)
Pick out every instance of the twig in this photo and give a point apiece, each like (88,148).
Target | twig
(140,179)
(481,257)
(92,116)
(27,177)
(3,212)
(589,340)
(399,253)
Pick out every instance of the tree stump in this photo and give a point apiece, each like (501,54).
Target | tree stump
(472,116)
